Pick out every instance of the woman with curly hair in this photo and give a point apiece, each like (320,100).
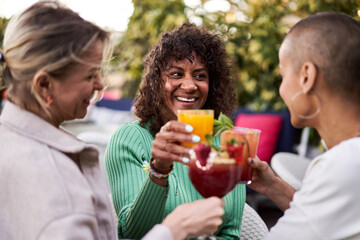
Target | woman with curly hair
(187,69)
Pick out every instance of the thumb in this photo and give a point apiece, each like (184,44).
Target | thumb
(257,163)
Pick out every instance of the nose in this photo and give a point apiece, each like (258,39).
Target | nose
(188,84)
(98,84)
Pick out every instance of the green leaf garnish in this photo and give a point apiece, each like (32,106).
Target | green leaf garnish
(210,139)
(221,124)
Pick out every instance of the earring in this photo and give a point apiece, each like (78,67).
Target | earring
(317,99)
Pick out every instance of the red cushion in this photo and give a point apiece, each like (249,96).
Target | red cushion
(270,126)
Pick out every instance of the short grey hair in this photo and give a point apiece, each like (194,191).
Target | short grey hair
(332,42)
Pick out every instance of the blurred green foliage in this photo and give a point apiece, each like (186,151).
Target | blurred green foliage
(150,18)
(3,23)
(252,29)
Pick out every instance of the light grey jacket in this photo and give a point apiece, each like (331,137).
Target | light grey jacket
(43,193)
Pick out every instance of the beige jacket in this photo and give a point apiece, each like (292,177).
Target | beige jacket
(43,192)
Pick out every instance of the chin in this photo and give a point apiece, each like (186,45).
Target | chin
(297,122)
(188,106)
(81,115)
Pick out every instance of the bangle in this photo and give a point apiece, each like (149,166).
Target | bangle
(156,172)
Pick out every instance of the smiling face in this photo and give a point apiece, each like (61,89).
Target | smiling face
(71,96)
(186,84)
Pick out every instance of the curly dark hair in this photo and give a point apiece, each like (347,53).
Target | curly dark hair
(176,45)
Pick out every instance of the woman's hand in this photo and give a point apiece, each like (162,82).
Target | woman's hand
(263,176)
(196,218)
(166,146)
(265,181)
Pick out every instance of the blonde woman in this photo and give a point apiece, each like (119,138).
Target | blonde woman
(50,182)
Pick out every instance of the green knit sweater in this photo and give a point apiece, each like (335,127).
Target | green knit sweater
(139,202)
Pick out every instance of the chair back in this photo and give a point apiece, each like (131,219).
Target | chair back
(252,225)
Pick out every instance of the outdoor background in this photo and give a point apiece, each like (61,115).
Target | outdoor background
(252,30)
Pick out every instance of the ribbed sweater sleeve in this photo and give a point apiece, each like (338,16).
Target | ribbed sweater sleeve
(138,201)
(141,204)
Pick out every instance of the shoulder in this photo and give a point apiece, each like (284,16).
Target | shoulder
(48,171)
(335,172)
(330,189)
(342,158)
(348,150)
(44,176)
(130,139)
(132,132)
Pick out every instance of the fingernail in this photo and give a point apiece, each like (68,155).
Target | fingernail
(195,138)
(185,160)
(189,128)
(191,152)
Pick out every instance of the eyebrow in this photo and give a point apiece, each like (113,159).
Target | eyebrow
(94,69)
(174,67)
(200,69)
(179,68)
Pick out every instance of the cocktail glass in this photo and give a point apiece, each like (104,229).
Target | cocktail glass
(251,137)
(202,120)
(217,177)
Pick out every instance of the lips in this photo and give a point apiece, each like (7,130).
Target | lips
(87,101)
(186,99)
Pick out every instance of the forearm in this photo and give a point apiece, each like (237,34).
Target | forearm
(281,193)
(265,181)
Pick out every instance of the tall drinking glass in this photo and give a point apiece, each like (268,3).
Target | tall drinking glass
(251,137)
(202,120)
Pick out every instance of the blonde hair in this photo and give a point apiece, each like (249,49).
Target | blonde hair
(45,37)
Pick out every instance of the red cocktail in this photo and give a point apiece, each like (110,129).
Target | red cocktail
(217,175)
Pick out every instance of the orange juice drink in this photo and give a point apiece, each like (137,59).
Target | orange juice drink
(202,120)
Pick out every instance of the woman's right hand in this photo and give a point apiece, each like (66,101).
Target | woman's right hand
(265,181)
(195,218)
(167,144)
(263,176)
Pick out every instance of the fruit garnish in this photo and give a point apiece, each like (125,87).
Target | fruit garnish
(202,152)
(235,150)
(231,150)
